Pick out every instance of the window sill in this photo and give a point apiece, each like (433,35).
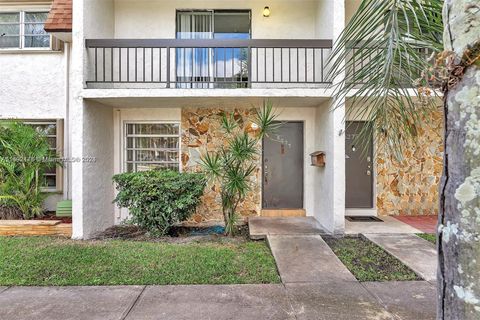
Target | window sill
(23,51)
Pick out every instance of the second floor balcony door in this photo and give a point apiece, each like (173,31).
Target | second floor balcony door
(212,67)
(194,65)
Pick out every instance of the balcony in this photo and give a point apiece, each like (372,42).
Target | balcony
(207,63)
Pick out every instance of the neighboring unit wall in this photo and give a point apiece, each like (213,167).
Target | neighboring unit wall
(32,87)
(410,186)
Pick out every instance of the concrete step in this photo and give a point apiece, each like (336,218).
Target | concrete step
(306,258)
(283,213)
(260,227)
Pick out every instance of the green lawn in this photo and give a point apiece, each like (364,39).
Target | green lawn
(54,261)
(429,237)
(368,262)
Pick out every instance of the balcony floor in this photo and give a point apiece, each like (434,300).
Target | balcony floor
(188,97)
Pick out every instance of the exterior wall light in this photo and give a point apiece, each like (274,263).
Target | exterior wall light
(266,12)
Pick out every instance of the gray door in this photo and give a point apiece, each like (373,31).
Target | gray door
(283,168)
(359,169)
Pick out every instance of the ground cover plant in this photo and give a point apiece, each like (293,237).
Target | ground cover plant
(367,261)
(431,237)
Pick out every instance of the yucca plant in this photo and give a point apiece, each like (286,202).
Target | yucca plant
(25,155)
(233,163)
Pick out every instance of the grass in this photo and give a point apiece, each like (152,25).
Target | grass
(42,261)
(368,262)
(431,237)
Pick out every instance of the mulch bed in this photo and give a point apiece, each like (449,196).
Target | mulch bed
(180,234)
(52,216)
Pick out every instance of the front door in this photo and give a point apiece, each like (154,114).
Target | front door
(283,168)
(358,169)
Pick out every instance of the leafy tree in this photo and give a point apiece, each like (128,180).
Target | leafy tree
(234,162)
(383,37)
(25,155)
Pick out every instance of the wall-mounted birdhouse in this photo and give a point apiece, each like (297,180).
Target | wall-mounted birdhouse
(318,158)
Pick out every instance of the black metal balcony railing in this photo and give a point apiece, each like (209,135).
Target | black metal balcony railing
(206,63)
(403,77)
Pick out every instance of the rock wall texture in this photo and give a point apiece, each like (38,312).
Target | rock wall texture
(410,186)
(406,187)
(201,131)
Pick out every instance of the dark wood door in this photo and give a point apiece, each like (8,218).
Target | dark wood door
(358,169)
(283,168)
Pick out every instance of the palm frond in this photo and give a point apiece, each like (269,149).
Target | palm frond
(380,56)
(211,164)
(266,119)
(242,147)
(229,124)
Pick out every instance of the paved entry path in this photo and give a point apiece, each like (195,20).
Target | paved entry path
(307,259)
(418,254)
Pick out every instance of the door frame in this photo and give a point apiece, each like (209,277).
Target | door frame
(303,165)
(365,211)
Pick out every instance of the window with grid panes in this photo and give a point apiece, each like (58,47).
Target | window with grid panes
(152,145)
(50,130)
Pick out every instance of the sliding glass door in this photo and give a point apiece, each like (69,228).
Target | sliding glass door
(212,67)
(194,65)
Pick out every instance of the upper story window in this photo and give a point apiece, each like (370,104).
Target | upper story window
(207,67)
(23,30)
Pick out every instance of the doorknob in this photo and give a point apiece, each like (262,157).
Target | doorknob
(369,173)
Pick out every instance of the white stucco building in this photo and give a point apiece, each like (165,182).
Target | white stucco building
(132,83)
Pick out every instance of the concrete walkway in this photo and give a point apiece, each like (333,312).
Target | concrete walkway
(307,258)
(415,252)
(388,225)
(319,301)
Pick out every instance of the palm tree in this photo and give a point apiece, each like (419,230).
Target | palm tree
(382,50)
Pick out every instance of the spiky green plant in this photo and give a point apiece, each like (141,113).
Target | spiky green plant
(232,164)
(384,51)
(25,155)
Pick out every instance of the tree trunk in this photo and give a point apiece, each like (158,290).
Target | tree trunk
(459,221)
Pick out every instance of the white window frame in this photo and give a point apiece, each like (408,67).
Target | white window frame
(58,150)
(125,161)
(22,31)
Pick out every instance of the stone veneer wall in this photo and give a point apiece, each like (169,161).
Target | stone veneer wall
(410,187)
(201,131)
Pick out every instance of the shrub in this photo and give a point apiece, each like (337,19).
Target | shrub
(25,155)
(158,199)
